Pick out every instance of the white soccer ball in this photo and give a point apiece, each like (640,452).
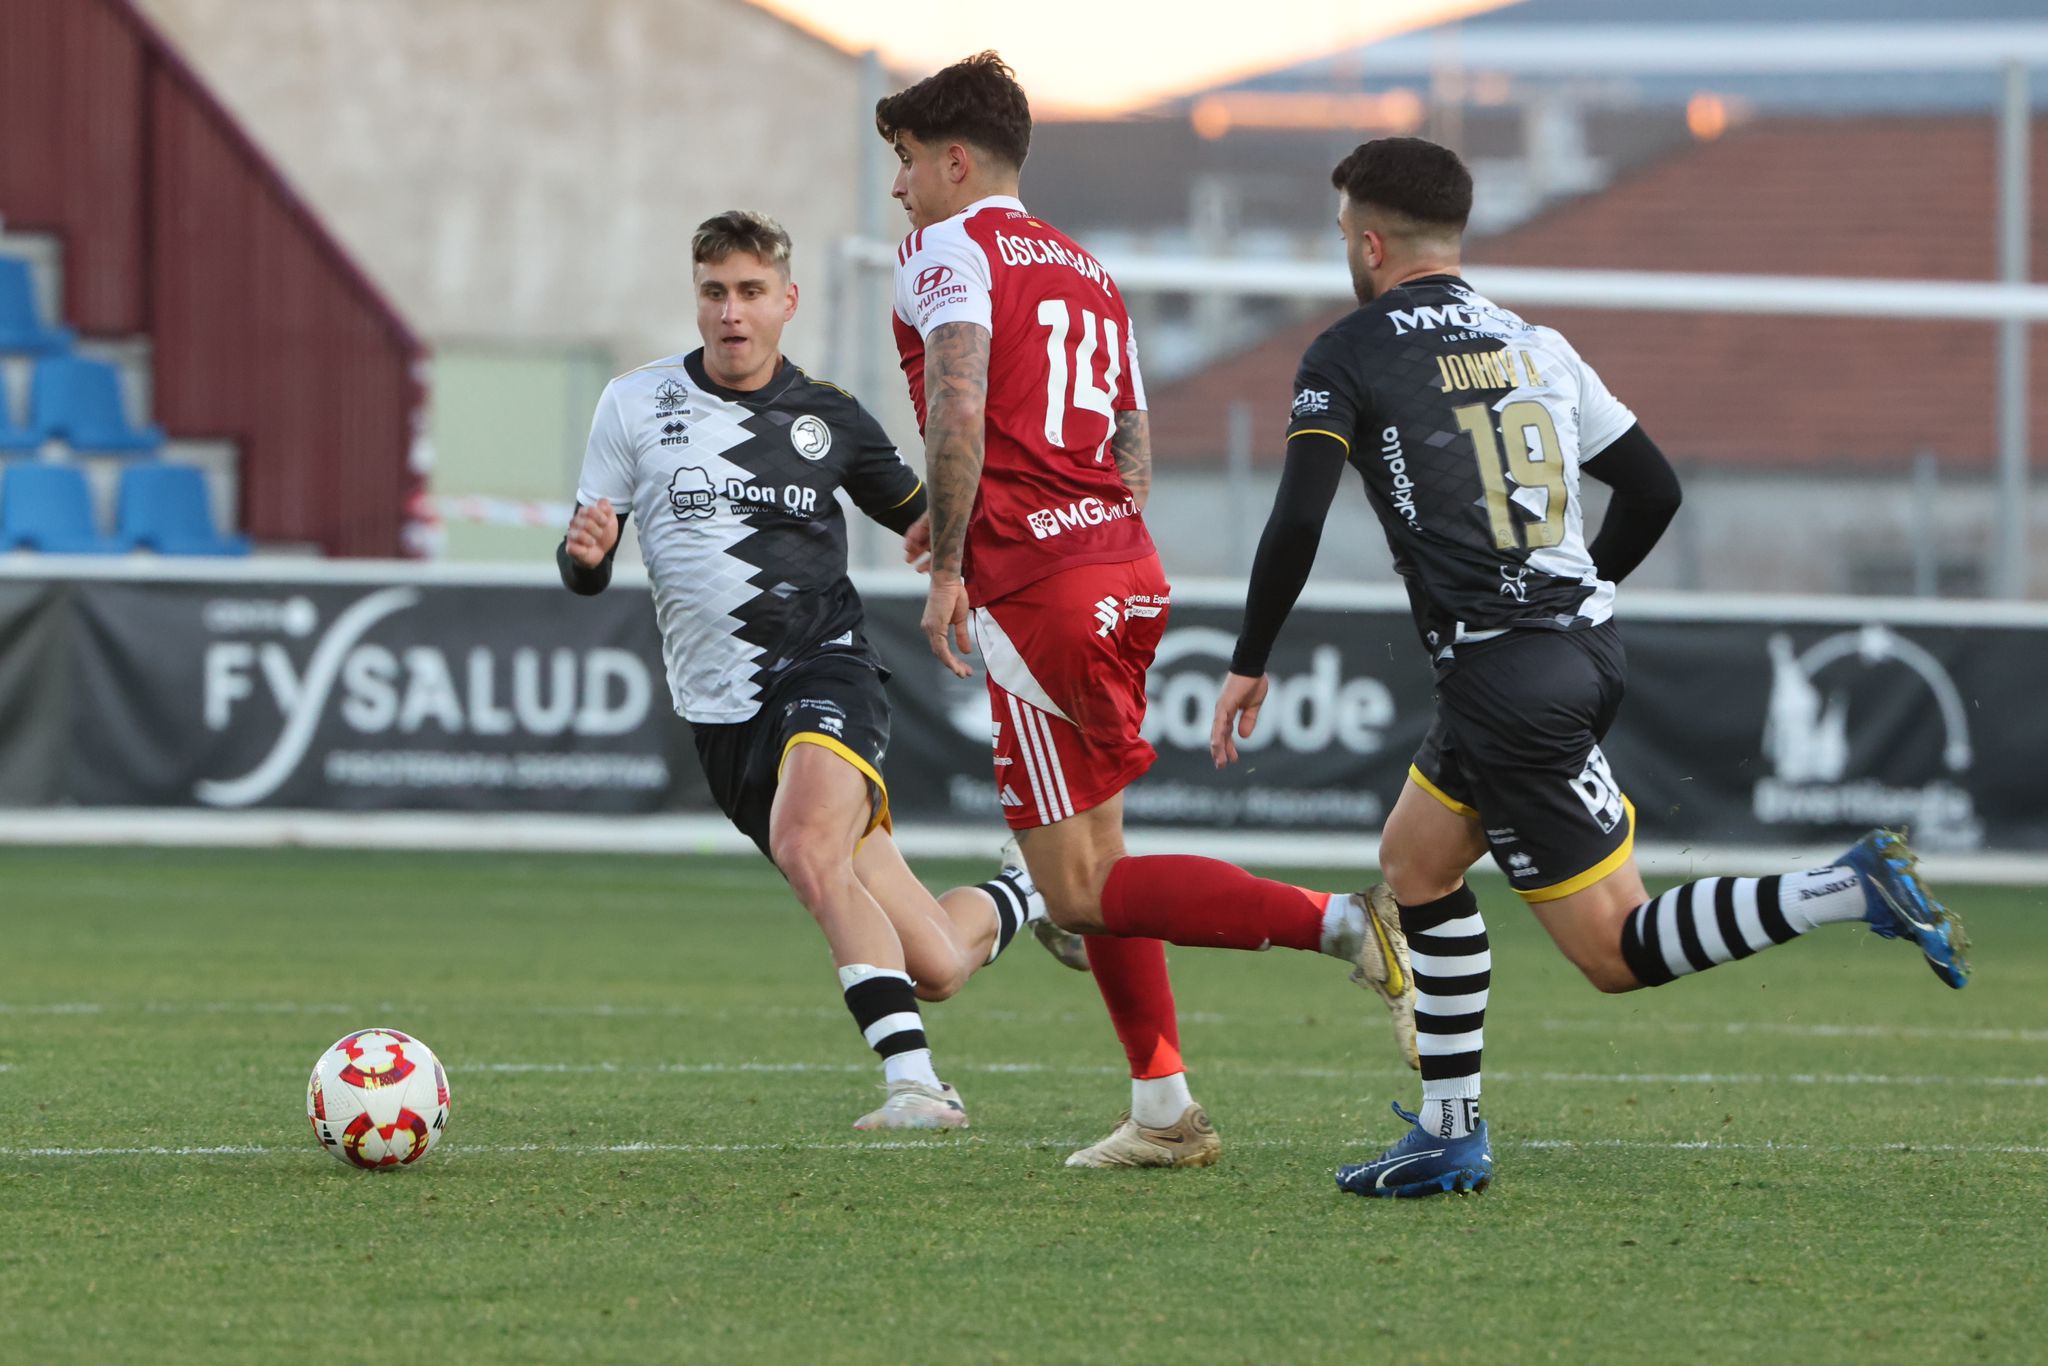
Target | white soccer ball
(377,1099)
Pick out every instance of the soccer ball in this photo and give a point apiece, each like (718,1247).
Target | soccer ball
(378,1098)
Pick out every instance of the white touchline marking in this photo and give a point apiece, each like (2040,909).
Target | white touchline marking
(603,1010)
(1509,1076)
(942,1143)
(1803,1031)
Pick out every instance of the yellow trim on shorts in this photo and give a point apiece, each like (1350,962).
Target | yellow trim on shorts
(1558,890)
(1318,431)
(880,819)
(1415,775)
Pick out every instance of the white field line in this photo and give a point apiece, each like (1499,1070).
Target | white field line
(1282,1070)
(939,1143)
(1508,1076)
(604,1010)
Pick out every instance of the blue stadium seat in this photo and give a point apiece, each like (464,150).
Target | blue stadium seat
(80,400)
(16,440)
(49,508)
(164,508)
(20,328)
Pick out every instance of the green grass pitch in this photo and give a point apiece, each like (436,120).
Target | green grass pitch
(1815,1155)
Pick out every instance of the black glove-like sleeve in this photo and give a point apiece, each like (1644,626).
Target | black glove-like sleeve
(1287,549)
(1646,498)
(583,580)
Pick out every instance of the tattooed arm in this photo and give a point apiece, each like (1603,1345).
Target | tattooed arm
(956,407)
(1132,444)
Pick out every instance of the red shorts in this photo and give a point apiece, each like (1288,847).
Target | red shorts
(1066,659)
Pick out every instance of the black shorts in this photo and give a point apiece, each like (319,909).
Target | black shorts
(1516,744)
(833,700)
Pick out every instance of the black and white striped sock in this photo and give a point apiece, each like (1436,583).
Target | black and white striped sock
(1717,919)
(1017,905)
(1453,966)
(884,1005)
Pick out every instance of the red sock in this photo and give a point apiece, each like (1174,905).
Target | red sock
(1206,903)
(1131,975)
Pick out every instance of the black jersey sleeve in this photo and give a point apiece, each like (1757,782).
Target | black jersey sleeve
(1325,397)
(1646,498)
(1287,549)
(880,482)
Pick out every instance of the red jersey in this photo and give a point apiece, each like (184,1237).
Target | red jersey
(1062,361)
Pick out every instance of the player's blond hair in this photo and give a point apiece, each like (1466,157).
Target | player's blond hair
(738,230)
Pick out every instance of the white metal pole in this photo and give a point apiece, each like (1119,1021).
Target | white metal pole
(868,294)
(2010,572)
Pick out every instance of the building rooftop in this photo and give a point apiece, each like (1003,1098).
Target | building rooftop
(1874,197)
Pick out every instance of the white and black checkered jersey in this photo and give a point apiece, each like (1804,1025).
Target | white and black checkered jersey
(1468,426)
(744,541)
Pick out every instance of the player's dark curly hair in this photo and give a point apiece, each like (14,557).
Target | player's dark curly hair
(1413,177)
(976,101)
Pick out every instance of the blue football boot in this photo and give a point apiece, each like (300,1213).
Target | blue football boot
(1423,1165)
(1897,905)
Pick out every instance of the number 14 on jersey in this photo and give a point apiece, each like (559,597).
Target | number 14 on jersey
(1074,335)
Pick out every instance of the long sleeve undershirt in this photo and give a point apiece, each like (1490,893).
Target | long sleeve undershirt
(1287,549)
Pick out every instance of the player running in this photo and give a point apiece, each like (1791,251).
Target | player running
(731,456)
(1025,377)
(1470,429)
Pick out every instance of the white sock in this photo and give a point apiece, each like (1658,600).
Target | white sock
(1034,901)
(1820,896)
(1159,1101)
(1343,926)
(911,1065)
(1448,1116)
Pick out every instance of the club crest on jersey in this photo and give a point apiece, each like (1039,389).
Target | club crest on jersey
(670,399)
(690,493)
(811,437)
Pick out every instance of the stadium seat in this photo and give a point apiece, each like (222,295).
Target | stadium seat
(49,508)
(79,400)
(16,440)
(20,328)
(164,508)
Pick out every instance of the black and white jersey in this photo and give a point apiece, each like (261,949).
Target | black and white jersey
(1468,426)
(733,496)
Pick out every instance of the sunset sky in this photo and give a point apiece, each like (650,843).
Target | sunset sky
(1104,56)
